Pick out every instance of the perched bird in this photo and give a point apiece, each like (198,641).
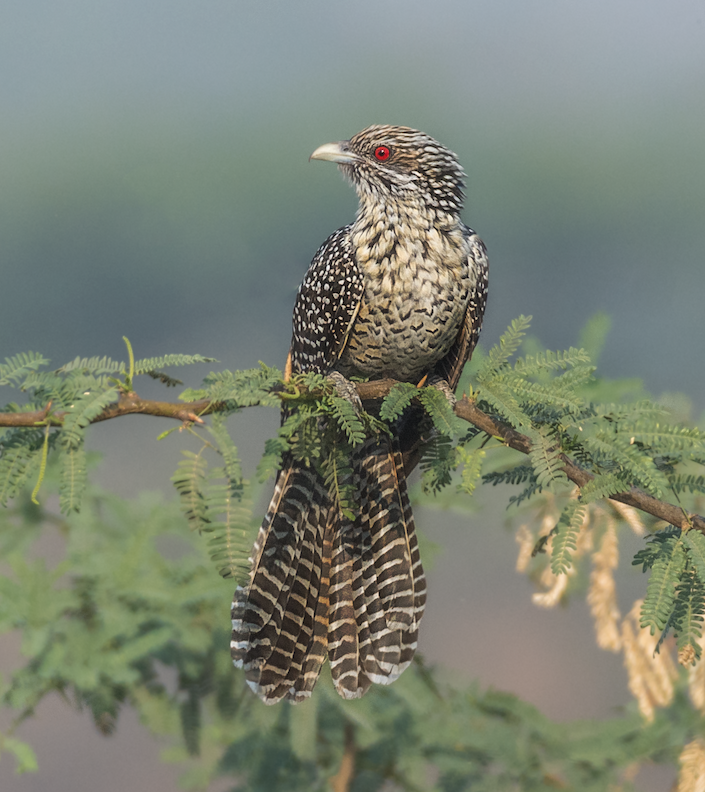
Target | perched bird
(398,293)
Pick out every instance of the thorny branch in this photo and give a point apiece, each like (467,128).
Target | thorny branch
(130,403)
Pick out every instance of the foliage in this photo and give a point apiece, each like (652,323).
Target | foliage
(135,614)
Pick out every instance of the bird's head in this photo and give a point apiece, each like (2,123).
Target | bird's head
(399,163)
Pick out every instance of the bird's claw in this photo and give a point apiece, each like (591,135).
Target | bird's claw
(346,390)
(434,381)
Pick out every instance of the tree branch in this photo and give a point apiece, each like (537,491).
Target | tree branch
(467,409)
(128,404)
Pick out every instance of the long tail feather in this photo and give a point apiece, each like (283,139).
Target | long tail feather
(322,584)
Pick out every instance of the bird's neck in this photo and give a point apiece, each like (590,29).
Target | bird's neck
(382,226)
(406,230)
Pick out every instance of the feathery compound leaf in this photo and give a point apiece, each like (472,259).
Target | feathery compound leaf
(546,395)
(604,485)
(688,613)
(498,394)
(347,419)
(307,441)
(695,546)
(165,379)
(661,438)
(565,536)
(472,460)
(72,461)
(438,463)
(546,460)
(189,480)
(230,528)
(232,469)
(94,365)
(397,400)
(593,335)
(509,342)
(648,555)
(17,367)
(338,476)
(635,466)
(271,461)
(661,589)
(643,409)
(680,483)
(514,475)
(84,409)
(214,504)
(150,364)
(440,411)
(574,378)
(21,454)
(531,489)
(244,388)
(530,365)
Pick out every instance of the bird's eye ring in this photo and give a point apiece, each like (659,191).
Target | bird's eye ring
(382,153)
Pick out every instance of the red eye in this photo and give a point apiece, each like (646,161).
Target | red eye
(382,153)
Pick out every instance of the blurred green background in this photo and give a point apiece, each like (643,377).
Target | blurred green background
(155,183)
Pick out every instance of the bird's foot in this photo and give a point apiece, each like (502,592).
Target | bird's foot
(434,381)
(346,390)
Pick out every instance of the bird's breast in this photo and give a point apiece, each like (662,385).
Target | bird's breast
(417,286)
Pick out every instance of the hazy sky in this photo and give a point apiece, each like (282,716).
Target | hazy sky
(79,58)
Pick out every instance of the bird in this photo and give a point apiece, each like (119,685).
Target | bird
(398,293)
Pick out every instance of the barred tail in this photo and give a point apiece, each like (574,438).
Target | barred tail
(324,585)
(377,584)
(275,615)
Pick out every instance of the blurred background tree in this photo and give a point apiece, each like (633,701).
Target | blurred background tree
(155,184)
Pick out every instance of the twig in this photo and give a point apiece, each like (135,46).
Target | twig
(128,404)
(467,409)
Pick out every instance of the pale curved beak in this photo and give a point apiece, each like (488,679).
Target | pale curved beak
(335,152)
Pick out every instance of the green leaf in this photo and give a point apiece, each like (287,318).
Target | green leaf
(438,462)
(271,461)
(21,456)
(347,419)
(440,411)
(397,400)
(23,753)
(530,365)
(695,546)
(661,589)
(94,365)
(593,335)
(546,459)
(85,408)
(604,485)
(565,536)
(73,466)
(167,361)
(15,368)
(189,480)
(472,460)
(688,611)
(508,344)
(498,394)
(338,476)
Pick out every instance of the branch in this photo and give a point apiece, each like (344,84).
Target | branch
(129,403)
(467,409)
